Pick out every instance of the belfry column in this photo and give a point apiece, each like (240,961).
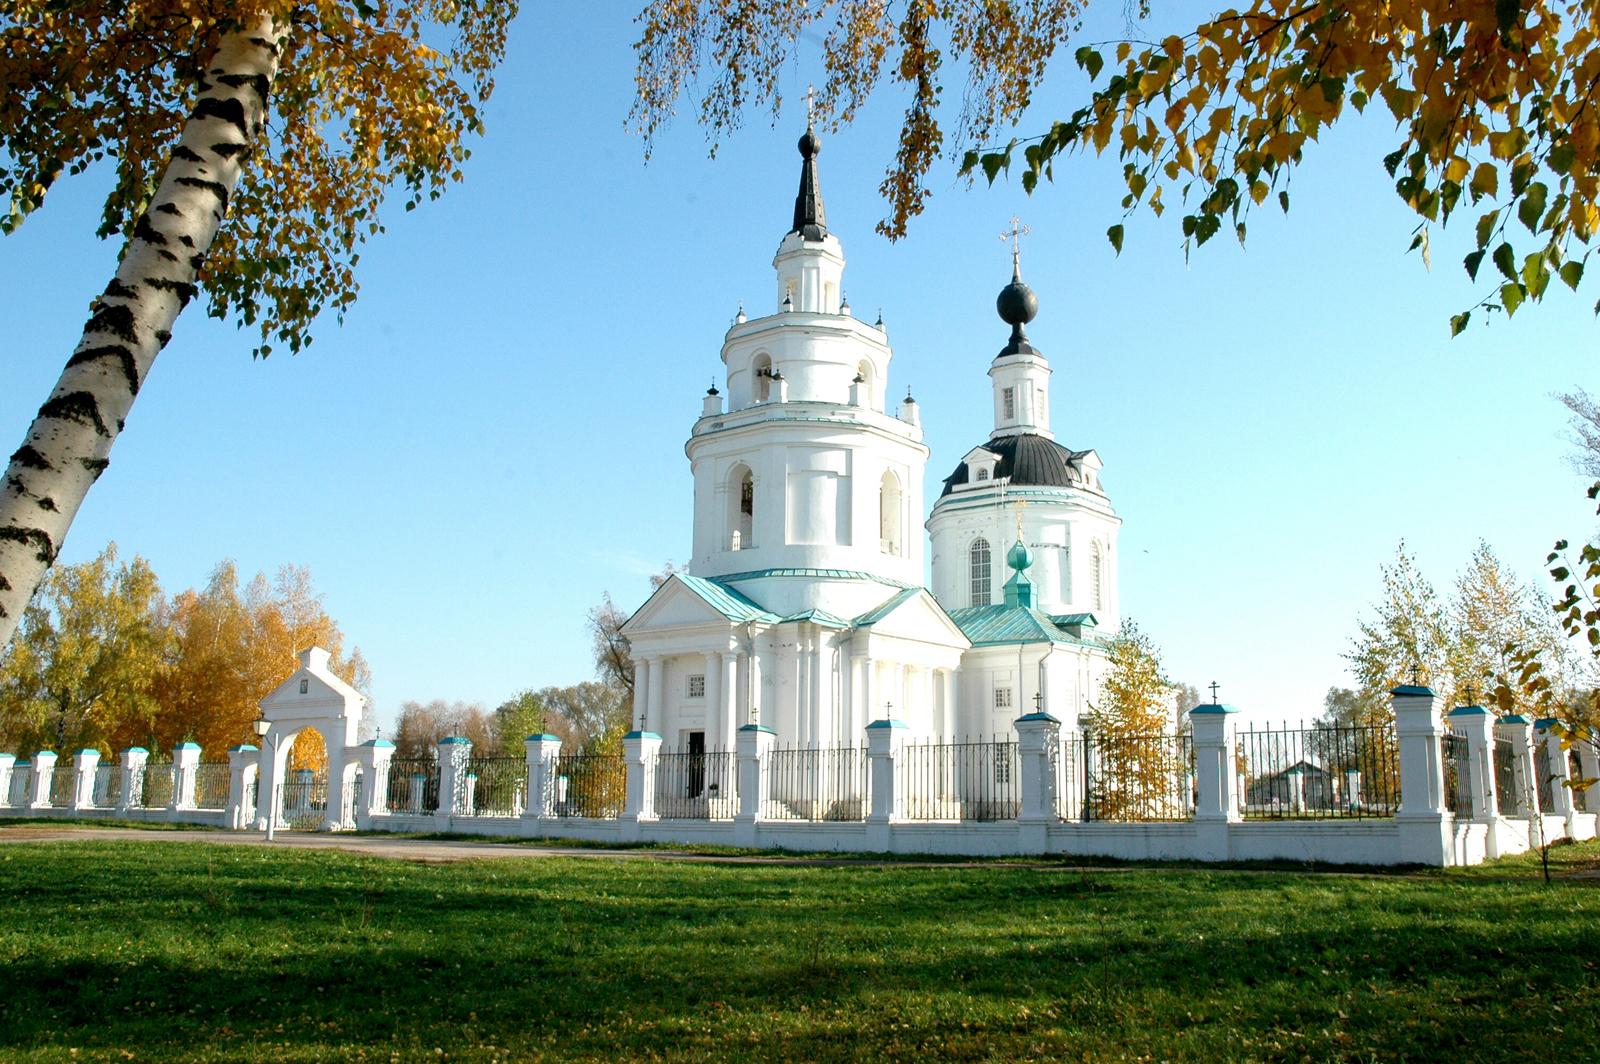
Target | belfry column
(714,728)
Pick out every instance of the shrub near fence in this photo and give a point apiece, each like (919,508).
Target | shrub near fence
(696,786)
(413,785)
(817,783)
(1138,777)
(1292,773)
(499,787)
(590,785)
(960,781)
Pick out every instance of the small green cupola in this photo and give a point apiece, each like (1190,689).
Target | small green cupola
(1019,589)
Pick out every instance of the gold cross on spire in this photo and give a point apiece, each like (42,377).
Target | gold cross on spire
(1015,235)
(811,102)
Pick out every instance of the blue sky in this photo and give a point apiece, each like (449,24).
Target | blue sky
(495,436)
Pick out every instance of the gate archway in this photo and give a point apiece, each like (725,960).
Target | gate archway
(313,706)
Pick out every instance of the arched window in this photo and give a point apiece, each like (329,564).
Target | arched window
(1097,576)
(889,538)
(760,378)
(978,563)
(983,474)
(865,372)
(741,534)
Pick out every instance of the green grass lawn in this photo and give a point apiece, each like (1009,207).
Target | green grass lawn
(165,952)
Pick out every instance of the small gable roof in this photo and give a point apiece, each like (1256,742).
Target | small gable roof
(1000,625)
(727,602)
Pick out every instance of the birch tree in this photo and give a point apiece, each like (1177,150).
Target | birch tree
(291,120)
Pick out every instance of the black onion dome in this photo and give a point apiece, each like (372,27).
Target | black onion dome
(1017,306)
(1028,459)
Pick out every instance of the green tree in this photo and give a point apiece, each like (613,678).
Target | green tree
(297,116)
(88,650)
(1411,636)
(1137,763)
(1492,101)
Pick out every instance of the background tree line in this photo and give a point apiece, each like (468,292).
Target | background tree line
(104,659)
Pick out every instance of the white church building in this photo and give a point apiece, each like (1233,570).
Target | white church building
(806,606)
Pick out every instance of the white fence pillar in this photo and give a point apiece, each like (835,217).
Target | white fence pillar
(752,744)
(185,759)
(1038,738)
(1426,831)
(884,738)
(131,793)
(1477,724)
(1216,742)
(85,763)
(640,749)
(452,753)
(373,757)
(244,766)
(8,765)
(44,767)
(1518,730)
(543,752)
(1558,771)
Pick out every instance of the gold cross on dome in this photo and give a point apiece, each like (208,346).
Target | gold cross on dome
(811,101)
(1015,235)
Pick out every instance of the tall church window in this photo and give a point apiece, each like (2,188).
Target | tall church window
(978,564)
(1097,576)
(889,538)
(742,534)
(761,378)
(1008,400)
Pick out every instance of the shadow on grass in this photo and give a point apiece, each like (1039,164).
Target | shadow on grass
(265,954)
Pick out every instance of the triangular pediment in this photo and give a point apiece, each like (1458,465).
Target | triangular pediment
(914,614)
(688,600)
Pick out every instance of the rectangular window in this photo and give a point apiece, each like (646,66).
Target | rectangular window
(1002,698)
(1008,400)
(697,687)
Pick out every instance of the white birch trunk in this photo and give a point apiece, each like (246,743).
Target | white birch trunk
(69,443)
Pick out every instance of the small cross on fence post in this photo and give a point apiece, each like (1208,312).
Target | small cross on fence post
(1214,686)
(1038,701)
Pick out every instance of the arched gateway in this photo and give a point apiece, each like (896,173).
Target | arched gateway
(312,698)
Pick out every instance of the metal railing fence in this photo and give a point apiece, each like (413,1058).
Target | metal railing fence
(413,785)
(1457,753)
(816,783)
(305,799)
(1313,773)
(1507,787)
(212,781)
(960,781)
(590,785)
(21,780)
(1138,777)
(107,786)
(156,792)
(1544,774)
(494,786)
(696,786)
(1066,768)
(63,780)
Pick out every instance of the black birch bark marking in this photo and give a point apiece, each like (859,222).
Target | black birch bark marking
(68,446)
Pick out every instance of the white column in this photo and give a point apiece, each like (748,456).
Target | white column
(641,750)
(44,766)
(1425,835)
(729,715)
(1557,769)
(641,692)
(132,792)
(543,753)
(185,760)
(756,713)
(243,765)
(819,702)
(1477,725)
(7,764)
(452,754)
(858,715)
(653,714)
(713,699)
(883,748)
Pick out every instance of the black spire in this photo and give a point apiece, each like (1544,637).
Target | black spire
(809,219)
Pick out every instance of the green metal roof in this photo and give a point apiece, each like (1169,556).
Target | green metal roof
(727,601)
(999,625)
(815,616)
(882,610)
(826,574)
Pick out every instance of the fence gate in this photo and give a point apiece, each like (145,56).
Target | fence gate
(305,799)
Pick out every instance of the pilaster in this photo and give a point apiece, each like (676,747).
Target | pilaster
(85,763)
(543,752)
(244,766)
(185,760)
(753,743)
(44,766)
(884,738)
(1038,736)
(453,754)
(640,751)
(131,794)
(1215,738)
(1425,828)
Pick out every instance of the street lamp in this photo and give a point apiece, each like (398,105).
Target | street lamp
(263,726)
